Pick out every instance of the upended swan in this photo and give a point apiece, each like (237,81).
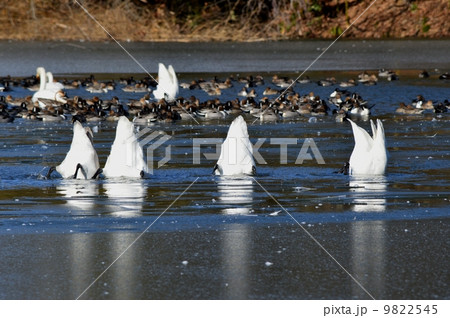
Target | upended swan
(167,83)
(369,156)
(127,157)
(81,161)
(236,155)
(47,91)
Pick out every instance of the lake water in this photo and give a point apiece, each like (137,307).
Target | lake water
(267,237)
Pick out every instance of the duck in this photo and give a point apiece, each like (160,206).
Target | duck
(304,80)
(327,82)
(424,74)
(385,73)
(81,162)
(243,92)
(369,156)
(408,109)
(97,88)
(270,91)
(126,158)
(267,115)
(444,76)
(236,155)
(167,83)
(44,92)
(289,114)
(350,83)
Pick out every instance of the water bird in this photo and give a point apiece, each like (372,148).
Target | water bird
(270,91)
(350,83)
(45,92)
(424,74)
(304,80)
(236,155)
(167,83)
(408,109)
(369,156)
(81,162)
(51,84)
(127,157)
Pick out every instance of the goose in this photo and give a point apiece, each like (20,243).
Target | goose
(44,92)
(81,161)
(369,156)
(236,155)
(127,157)
(52,85)
(167,83)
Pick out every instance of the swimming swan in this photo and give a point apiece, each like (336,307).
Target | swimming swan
(45,92)
(127,157)
(51,85)
(236,155)
(81,161)
(369,157)
(167,83)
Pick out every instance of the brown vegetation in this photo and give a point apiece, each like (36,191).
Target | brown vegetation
(237,20)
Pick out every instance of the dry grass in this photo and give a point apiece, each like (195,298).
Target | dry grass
(222,20)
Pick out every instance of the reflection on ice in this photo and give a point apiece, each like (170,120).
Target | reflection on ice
(368,239)
(368,257)
(236,191)
(126,198)
(79,194)
(236,257)
(368,193)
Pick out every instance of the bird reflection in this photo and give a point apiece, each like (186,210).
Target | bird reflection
(368,194)
(368,237)
(126,198)
(80,195)
(236,194)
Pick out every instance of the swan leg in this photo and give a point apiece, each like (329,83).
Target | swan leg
(142,174)
(253,170)
(216,167)
(50,172)
(79,166)
(97,173)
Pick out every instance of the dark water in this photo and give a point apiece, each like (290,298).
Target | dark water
(233,238)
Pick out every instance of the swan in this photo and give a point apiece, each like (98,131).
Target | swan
(81,161)
(51,85)
(167,83)
(46,93)
(127,157)
(236,155)
(369,157)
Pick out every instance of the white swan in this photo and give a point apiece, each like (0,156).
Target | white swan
(51,85)
(369,157)
(44,92)
(167,83)
(236,155)
(127,157)
(81,161)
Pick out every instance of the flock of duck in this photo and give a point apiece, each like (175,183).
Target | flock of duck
(49,103)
